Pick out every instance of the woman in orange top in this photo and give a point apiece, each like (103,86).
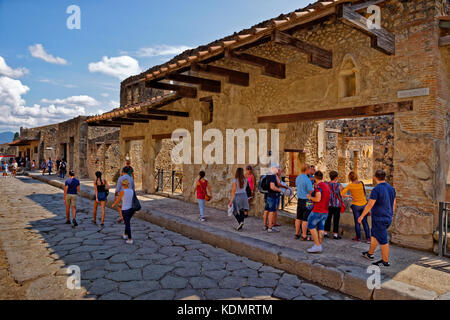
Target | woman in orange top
(359,202)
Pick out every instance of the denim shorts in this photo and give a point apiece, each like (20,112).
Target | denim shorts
(379,230)
(317,220)
(271,204)
(101,196)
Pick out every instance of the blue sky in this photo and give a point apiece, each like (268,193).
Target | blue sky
(49,73)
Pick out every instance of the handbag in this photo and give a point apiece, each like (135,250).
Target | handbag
(135,205)
(340,199)
(207,197)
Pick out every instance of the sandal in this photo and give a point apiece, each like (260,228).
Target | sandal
(307,238)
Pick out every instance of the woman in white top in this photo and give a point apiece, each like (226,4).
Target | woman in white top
(126,195)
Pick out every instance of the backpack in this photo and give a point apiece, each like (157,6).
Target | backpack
(263,185)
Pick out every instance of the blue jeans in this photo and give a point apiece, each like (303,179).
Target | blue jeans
(127,215)
(201,205)
(357,211)
(316,219)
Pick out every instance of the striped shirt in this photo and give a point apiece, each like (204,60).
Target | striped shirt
(335,199)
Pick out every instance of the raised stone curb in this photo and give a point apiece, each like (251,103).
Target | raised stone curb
(345,276)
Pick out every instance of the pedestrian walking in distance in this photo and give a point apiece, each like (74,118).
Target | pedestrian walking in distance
(382,203)
(71,190)
(101,188)
(126,196)
(201,188)
(239,198)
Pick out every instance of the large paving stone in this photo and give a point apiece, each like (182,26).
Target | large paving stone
(212,265)
(310,290)
(256,293)
(158,295)
(187,272)
(261,282)
(252,264)
(76,258)
(269,269)
(171,282)
(288,293)
(216,274)
(155,272)
(121,257)
(290,280)
(102,286)
(113,295)
(137,288)
(202,283)
(138,264)
(245,273)
(235,265)
(171,251)
(270,275)
(222,294)
(125,275)
(93,274)
(232,282)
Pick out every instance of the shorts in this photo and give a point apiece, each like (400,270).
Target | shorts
(71,200)
(271,204)
(317,220)
(302,211)
(379,230)
(101,196)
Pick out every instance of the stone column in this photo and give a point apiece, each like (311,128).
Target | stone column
(148,165)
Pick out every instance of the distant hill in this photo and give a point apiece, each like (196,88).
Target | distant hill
(6,137)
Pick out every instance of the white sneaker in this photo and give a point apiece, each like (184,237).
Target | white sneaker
(124,237)
(130,241)
(315,249)
(273,230)
(241,225)
(202,219)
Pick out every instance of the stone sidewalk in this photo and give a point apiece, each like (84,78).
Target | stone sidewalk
(413,274)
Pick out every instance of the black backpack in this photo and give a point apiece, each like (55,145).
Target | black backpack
(263,185)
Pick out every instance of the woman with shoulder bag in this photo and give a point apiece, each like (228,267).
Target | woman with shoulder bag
(359,202)
(239,198)
(101,188)
(336,206)
(201,187)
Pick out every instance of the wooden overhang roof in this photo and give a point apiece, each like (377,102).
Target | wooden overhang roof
(277,30)
(22,142)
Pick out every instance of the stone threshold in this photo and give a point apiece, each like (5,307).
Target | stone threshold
(342,275)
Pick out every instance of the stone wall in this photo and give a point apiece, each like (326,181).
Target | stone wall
(6,149)
(421,146)
(47,141)
(104,152)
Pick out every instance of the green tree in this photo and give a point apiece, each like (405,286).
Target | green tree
(16,136)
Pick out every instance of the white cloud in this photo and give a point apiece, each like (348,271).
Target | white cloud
(119,67)
(85,101)
(15,113)
(161,50)
(39,52)
(6,70)
(105,95)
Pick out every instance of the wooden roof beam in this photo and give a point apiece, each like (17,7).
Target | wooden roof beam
(381,39)
(205,84)
(444,41)
(356,112)
(270,68)
(169,113)
(317,56)
(183,91)
(107,123)
(233,77)
(129,120)
(146,117)
(165,102)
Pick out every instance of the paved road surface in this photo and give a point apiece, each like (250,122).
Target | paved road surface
(37,247)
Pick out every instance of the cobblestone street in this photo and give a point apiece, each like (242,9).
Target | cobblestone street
(38,247)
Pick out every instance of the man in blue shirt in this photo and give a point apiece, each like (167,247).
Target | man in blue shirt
(382,204)
(304,188)
(71,189)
